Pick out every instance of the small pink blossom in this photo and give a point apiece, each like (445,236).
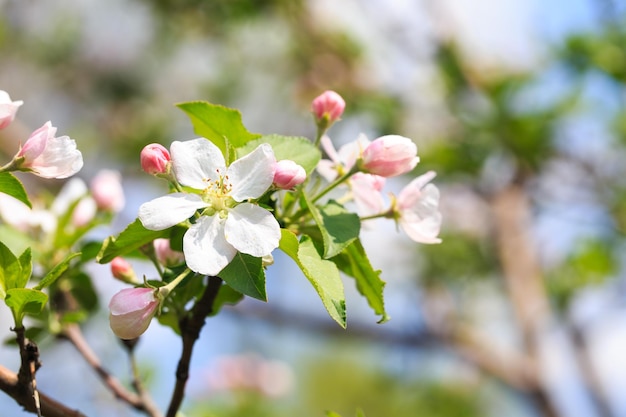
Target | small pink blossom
(417,210)
(288,174)
(8,109)
(48,156)
(165,254)
(106,189)
(328,108)
(122,269)
(131,311)
(389,156)
(155,159)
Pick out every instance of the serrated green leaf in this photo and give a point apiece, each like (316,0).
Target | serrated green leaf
(56,272)
(322,274)
(353,261)
(338,226)
(245,274)
(23,301)
(26,266)
(10,269)
(226,295)
(9,184)
(131,238)
(221,125)
(296,148)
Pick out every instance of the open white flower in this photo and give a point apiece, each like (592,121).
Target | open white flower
(228,222)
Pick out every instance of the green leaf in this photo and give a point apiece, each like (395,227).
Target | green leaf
(56,272)
(353,261)
(338,226)
(221,125)
(226,295)
(26,267)
(332,414)
(9,184)
(25,301)
(245,274)
(296,148)
(131,238)
(10,270)
(322,274)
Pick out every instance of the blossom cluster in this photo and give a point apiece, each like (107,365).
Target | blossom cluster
(230,208)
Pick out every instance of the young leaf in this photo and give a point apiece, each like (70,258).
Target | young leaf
(245,274)
(25,301)
(131,238)
(332,414)
(56,272)
(9,184)
(26,266)
(322,274)
(10,270)
(338,226)
(353,261)
(221,125)
(296,148)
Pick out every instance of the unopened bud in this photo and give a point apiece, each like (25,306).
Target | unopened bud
(288,174)
(155,159)
(389,156)
(123,270)
(131,311)
(327,108)
(165,254)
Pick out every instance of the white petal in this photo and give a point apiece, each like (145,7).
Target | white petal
(206,251)
(422,221)
(60,159)
(196,160)
(252,230)
(71,191)
(253,174)
(169,210)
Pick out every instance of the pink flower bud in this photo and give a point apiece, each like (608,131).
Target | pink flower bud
(48,156)
(155,159)
(165,254)
(106,189)
(288,174)
(389,156)
(328,107)
(8,109)
(84,212)
(122,270)
(131,311)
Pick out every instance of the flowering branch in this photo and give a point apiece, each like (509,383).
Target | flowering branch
(190,327)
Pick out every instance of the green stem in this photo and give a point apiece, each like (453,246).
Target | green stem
(165,290)
(335,183)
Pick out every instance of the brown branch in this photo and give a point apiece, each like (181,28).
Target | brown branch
(74,335)
(22,386)
(190,327)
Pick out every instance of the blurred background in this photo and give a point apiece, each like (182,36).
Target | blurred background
(517,104)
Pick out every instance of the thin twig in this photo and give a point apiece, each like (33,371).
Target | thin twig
(190,327)
(74,335)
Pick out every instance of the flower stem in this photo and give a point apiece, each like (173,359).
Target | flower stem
(165,290)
